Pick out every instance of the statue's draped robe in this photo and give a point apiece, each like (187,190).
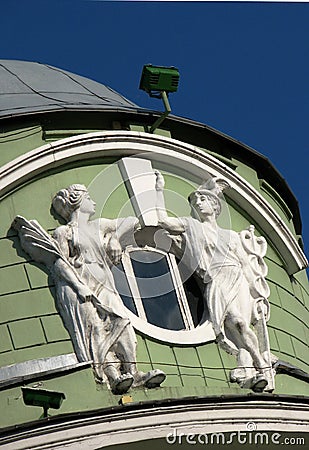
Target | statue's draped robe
(95,326)
(210,254)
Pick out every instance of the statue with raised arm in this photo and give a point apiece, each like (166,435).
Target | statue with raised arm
(79,256)
(232,272)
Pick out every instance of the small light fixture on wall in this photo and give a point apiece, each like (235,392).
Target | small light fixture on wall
(42,397)
(158,82)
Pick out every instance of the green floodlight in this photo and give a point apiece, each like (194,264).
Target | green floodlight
(42,397)
(158,82)
(156,79)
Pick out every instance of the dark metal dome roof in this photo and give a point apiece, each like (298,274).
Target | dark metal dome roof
(30,87)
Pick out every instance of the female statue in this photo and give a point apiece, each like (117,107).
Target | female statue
(79,257)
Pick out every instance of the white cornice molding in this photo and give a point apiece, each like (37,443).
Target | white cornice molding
(190,158)
(236,418)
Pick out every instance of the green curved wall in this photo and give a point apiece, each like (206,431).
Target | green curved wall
(31,328)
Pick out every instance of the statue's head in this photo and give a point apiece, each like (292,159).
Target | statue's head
(201,196)
(210,191)
(68,200)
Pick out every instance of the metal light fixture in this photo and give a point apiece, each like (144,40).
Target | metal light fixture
(42,397)
(158,82)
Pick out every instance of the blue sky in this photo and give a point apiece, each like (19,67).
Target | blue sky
(244,66)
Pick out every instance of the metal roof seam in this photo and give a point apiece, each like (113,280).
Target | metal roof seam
(84,87)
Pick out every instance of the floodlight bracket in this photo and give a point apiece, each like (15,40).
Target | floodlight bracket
(167,111)
(158,82)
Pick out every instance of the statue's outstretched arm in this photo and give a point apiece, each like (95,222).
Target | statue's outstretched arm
(116,234)
(171,224)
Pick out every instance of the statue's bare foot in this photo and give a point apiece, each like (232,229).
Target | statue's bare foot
(150,380)
(122,384)
(259,383)
(153,378)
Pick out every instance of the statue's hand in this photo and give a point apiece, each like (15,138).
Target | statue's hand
(159,181)
(114,250)
(85,293)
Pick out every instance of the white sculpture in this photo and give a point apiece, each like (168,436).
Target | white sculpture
(232,271)
(78,257)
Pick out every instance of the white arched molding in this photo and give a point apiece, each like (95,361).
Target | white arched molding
(187,157)
(242,421)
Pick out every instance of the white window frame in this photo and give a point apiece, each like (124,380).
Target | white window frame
(190,334)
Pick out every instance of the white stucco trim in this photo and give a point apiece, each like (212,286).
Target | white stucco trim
(202,333)
(155,422)
(189,159)
(34,368)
